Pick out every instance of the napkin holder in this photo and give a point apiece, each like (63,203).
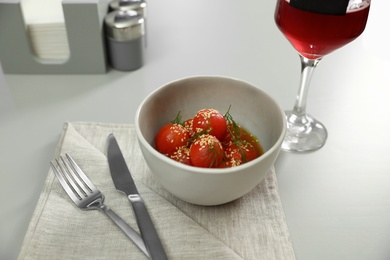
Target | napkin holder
(84,26)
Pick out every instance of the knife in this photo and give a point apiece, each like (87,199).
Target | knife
(124,182)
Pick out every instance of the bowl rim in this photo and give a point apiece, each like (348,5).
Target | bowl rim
(201,170)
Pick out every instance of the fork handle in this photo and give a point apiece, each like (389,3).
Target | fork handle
(129,231)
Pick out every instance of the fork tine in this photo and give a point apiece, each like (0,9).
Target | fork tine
(86,182)
(82,188)
(75,184)
(64,183)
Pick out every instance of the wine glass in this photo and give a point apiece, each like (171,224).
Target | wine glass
(315,28)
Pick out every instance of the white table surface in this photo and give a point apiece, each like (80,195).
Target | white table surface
(336,200)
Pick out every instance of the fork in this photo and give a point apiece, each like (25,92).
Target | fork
(87,197)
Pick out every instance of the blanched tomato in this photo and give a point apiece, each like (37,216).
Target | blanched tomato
(230,163)
(208,140)
(233,132)
(170,138)
(188,125)
(241,152)
(206,151)
(182,154)
(210,121)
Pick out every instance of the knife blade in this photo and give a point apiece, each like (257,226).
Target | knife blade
(124,182)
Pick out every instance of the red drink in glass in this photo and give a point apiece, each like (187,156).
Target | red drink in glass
(315,28)
(314,35)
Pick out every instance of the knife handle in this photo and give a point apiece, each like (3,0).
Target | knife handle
(146,227)
(129,231)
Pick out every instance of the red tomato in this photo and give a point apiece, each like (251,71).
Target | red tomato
(206,151)
(224,164)
(241,151)
(188,125)
(210,121)
(233,132)
(230,163)
(209,139)
(170,138)
(182,154)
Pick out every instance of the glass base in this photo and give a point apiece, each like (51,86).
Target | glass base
(304,133)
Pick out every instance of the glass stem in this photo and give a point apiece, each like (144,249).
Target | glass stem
(307,69)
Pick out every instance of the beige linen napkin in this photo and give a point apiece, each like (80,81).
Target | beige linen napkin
(252,227)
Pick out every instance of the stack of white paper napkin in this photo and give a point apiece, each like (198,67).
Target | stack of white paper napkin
(45,25)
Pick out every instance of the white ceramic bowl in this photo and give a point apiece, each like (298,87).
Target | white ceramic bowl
(250,107)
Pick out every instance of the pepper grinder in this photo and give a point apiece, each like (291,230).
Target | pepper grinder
(124,31)
(135,5)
